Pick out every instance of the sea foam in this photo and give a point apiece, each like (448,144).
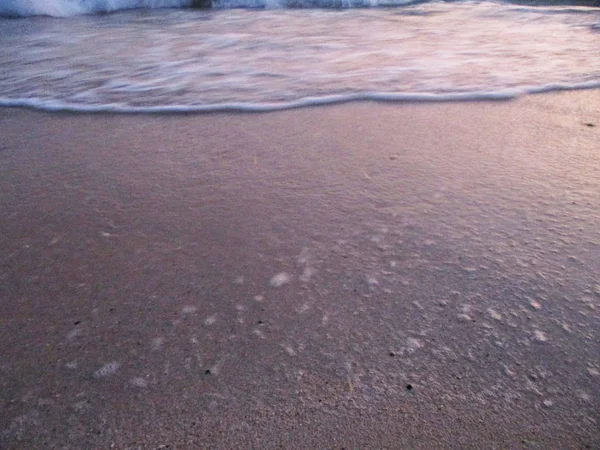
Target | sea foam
(64,8)
(504,94)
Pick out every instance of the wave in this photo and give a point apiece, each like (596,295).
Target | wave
(499,95)
(65,8)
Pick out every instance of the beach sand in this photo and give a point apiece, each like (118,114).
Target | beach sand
(367,275)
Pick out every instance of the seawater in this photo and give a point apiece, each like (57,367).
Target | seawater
(261,55)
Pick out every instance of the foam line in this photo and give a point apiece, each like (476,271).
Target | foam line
(505,94)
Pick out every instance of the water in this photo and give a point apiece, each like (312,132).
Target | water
(180,59)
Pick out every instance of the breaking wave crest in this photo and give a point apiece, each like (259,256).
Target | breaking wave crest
(64,8)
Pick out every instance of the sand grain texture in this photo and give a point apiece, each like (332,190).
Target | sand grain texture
(436,277)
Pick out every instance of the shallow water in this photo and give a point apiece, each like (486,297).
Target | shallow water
(264,59)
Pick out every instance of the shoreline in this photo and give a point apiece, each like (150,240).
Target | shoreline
(365,275)
(506,94)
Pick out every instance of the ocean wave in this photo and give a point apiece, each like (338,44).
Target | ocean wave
(65,8)
(416,97)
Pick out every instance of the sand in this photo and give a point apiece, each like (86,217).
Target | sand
(367,275)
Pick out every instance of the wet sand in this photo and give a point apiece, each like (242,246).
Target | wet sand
(366,275)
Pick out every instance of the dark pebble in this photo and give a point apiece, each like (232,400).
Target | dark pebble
(77,322)
(207,372)
(392,354)
(409,387)
(591,125)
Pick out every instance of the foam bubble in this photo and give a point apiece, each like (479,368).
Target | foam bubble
(372,281)
(593,371)
(303,308)
(289,350)
(413,344)
(494,314)
(81,405)
(258,333)
(107,370)
(540,336)
(72,365)
(139,382)
(307,274)
(280,279)
(210,319)
(534,304)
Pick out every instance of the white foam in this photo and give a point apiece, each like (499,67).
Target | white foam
(412,345)
(535,304)
(540,336)
(372,281)
(210,320)
(280,279)
(64,8)
(71,365)
(502,94)
(258,333)
(494,314)
(107,369)
(139,382)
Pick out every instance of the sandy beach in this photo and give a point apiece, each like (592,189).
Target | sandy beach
(359,276)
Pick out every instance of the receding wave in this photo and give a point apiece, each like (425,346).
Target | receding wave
(505,94)
(65,8)
(170,61)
